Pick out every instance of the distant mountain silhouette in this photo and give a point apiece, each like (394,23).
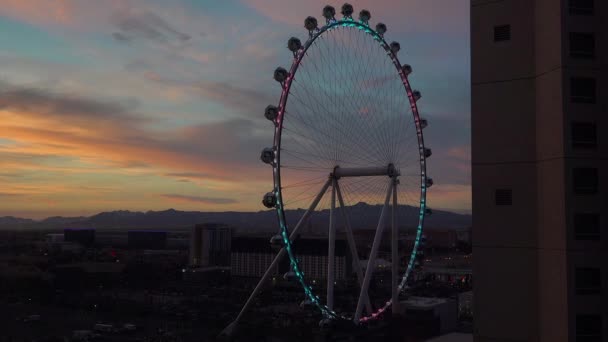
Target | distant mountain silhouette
(60,220)
(11,220)
(361,216)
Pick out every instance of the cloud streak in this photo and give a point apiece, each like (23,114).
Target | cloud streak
(233,96)
(8,195)
(69,109)
(137,24)
(94,129)
(187,175)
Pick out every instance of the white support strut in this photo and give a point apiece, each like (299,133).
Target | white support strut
(331,250)
(388,170)
(353,247)
(369,270)
(394,252)
(230,328)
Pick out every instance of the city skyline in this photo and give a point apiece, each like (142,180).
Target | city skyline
(142,106)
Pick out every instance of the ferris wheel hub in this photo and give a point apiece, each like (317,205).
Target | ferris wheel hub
(390,170)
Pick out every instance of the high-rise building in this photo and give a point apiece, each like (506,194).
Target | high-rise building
(540,169)
(210,245)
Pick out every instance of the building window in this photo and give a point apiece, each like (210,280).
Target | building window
(504,197)
(581,7)
(587,226)
(582,90)
(582,45)
(588,328)
(502,33)
(588,281)
(584,135)
(585,181)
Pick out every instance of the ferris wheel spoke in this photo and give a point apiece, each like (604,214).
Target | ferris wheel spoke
(307,134)
(368,192)
(331,248)
(352,247)
(318,148)
(363,71)
(407,193)
(409,138)
(303,184)
(305,160)
(332,83)
(321,129)
(337,81)
(347,101)
(394,105)
(381,92)
(303,195)
(313,148)
(372,257)
(400,104)
(411,154)
(354,95)
(394,250)
(305,168)
(307,100)
(335,128)
(358,189)
(318,178)
(398,130)
(407,150)
(396,144)
(317,84)
(336,160)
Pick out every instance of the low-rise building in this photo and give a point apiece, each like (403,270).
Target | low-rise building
(437,315)
(251,256)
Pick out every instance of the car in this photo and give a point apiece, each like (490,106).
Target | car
(31,318)
(129,327)
(103,327)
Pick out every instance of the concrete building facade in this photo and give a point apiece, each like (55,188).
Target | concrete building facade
(539,116)
(251,256)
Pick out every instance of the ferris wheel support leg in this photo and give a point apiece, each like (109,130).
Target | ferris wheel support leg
(369,270)
(229,330)
(394,251)
(353,247)
(331,250)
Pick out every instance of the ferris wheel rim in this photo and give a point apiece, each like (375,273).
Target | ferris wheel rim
(286,87)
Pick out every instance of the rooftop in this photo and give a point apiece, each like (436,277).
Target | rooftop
(423,302)
(453,337)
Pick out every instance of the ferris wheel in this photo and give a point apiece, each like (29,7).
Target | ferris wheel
(348,144)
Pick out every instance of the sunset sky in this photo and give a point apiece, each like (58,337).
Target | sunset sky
(149,105)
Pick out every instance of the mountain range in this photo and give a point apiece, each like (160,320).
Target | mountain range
(362,216)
